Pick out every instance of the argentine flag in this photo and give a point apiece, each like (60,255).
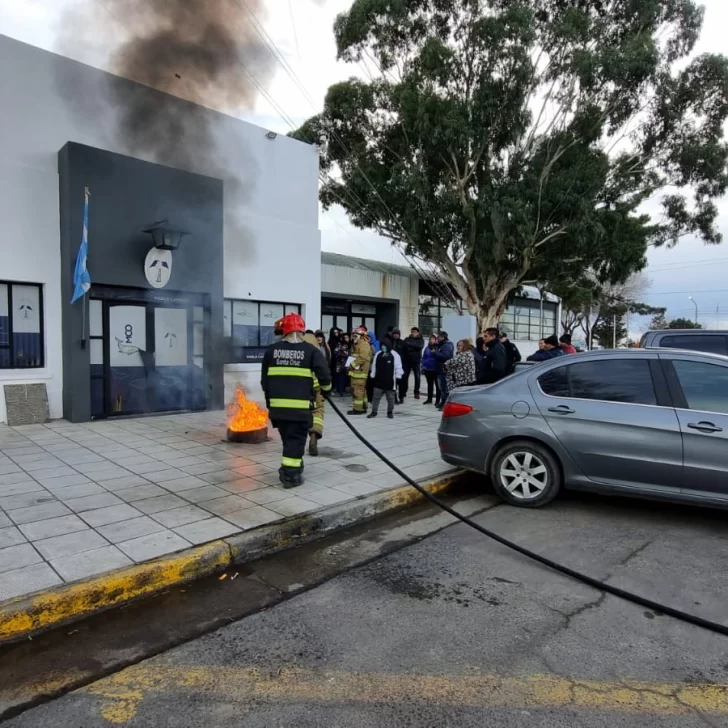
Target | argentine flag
(81,277)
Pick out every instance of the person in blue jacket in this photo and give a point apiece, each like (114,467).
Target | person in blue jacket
(443,353)
(551,350)
(429,369)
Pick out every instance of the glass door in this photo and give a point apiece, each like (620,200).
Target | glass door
(171,358)
(129,361)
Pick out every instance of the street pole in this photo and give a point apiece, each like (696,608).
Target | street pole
(695,303)
(614,331)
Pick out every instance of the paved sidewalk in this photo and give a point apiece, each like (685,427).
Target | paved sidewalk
(80,500)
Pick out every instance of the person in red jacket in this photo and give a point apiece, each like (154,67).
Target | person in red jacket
(565,344)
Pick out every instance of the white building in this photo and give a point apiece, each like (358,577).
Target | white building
(259,251)
(172,321)
(378,295)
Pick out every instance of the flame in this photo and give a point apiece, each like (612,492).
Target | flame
(244,415)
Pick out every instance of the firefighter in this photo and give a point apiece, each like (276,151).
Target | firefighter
(290,367)
(317,428)
(359,371)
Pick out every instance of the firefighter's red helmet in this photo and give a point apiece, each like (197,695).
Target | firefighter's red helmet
(293,322)
(278,327)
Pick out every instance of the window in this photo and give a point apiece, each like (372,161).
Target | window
(21,326)
(711,343)
(610,380)
(705,386)
(249,327)
(522,319)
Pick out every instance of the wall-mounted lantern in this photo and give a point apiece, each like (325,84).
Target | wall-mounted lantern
(165,238)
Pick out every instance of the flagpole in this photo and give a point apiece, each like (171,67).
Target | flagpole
(84,301)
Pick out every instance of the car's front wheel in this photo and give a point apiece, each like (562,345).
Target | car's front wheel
(525,474)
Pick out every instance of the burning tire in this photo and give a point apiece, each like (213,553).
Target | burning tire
(247,422)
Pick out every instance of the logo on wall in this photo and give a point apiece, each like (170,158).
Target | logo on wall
(158,267)
(25,310)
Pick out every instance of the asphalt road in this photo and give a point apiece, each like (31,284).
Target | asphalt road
(458,631)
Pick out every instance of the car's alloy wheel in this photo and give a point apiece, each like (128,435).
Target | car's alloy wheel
(524,475)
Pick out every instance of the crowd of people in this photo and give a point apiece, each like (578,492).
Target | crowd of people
(301,367)
(394,362)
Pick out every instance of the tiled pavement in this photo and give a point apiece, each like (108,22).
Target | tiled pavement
(78,500)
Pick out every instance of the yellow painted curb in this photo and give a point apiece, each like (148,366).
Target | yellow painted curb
(28,615)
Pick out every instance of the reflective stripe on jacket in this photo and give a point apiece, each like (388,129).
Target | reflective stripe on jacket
(362,359)
(289,372)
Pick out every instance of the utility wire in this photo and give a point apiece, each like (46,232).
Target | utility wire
(432,276)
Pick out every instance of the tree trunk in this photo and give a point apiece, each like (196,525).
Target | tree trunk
(489,310)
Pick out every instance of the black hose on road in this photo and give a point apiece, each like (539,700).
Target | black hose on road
(584,578)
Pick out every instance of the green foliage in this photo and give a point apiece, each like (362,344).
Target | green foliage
(659,322)
(683,323)
(514,141)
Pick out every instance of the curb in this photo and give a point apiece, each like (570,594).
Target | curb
(27,616)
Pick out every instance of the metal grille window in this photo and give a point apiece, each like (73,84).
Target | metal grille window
(21,326)
(522,320)
(431,312)
(249,327)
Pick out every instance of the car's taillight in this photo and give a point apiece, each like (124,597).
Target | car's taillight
(455,409)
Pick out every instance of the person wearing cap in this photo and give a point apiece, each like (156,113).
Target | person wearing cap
(444,351)
(550,350)
(513,356)
(290,368)
(359,371)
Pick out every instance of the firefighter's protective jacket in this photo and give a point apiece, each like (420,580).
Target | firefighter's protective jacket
(362,359)
(290,369)
(311,339)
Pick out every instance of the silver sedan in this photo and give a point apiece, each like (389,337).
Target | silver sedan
(645,422)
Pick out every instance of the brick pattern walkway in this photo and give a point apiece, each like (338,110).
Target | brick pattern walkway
(79,500)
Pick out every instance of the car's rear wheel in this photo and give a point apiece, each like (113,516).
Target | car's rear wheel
(525,474)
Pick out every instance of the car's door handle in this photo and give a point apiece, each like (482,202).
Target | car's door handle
(704,427)
(562,409)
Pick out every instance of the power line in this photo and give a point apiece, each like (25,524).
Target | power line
(432,276)
(691,290)
(679,264)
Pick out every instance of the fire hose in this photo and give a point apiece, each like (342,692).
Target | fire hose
(545,561)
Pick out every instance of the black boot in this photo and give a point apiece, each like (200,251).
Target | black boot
(356,412)
(371,416)
(427,401)
(290,477)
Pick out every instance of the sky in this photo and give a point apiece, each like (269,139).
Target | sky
(302,32)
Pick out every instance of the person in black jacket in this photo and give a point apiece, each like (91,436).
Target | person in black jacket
(513,356)
(494,365)
(414,344)
(290,368)
(385,373)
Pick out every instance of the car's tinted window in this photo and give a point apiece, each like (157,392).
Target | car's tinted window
(711,343)
(609,380)
(705,385)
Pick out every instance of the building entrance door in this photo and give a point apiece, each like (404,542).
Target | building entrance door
(146,357)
